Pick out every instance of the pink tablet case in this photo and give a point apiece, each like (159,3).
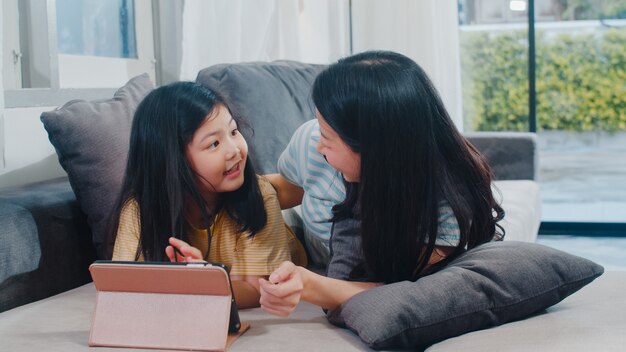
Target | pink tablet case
(161,306)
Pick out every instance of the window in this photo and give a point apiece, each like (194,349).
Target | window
(96,28)
(580,96)
(11,56)
(580,113)
(41,70)
(494,68)
(51,46)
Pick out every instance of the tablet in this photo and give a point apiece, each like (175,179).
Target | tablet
(163,305)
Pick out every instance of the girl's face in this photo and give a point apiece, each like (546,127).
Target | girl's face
(217,153)
(337,153)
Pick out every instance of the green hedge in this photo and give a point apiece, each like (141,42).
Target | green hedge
(581,81)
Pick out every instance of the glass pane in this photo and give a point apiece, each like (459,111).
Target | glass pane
(581,109)
(494,65)
(96,28)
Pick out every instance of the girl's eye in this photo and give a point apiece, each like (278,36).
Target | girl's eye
(214,145)
(234,132)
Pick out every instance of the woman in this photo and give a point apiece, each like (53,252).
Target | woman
(417,193)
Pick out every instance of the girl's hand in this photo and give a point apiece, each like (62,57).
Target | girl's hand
(281,294)
(181,251)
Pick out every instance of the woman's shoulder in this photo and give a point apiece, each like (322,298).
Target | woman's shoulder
(306,130)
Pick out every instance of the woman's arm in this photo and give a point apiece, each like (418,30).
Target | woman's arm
(289,194)
(290,283)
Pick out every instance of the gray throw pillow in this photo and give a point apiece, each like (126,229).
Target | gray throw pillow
(487,286)
(91,139)
(274,97)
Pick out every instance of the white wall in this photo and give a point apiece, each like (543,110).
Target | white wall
(1,92)
(29,156)
(26,155)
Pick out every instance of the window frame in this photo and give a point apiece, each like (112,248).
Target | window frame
(573,228)
(166,50)
(38,38)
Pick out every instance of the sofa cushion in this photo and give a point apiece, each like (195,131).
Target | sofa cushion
(592,319)
(44,248)
(20,251)
(511,155)
(91,139)
(487,286)
(274,97)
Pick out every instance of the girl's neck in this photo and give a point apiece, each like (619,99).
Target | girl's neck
(193,214)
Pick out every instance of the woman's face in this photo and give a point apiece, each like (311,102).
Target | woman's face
(217,153)
(337,153)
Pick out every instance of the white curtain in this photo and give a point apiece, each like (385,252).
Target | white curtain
(424,30)
(1,94)
(226,31)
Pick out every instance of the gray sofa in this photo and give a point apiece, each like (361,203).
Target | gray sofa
(47,239)
(46,242)
(51,231)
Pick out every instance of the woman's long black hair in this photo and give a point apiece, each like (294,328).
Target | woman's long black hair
(158,176)
(384,107)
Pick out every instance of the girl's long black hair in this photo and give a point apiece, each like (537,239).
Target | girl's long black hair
(159,178)
(384,107)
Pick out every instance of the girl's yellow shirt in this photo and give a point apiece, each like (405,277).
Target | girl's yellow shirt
(244,255)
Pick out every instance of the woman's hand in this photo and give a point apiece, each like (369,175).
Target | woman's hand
(282,293)
(181,251)
(289,284)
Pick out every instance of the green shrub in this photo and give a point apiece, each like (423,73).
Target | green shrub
(580,81)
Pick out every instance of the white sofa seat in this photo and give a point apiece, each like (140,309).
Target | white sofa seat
(521,202)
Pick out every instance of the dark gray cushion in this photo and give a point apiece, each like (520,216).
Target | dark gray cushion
(511,155)
(43,229)
(91,139)
(275,97)
(20,251)
(487,286)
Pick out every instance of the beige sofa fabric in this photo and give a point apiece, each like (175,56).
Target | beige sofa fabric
(590,320)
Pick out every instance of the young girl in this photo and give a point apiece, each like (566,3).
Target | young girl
(417,193)
(189,180)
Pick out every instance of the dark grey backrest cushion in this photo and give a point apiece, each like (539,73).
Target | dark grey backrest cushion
(20,251)
(275,97)
(487,286)
(91,139)
(511,155)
